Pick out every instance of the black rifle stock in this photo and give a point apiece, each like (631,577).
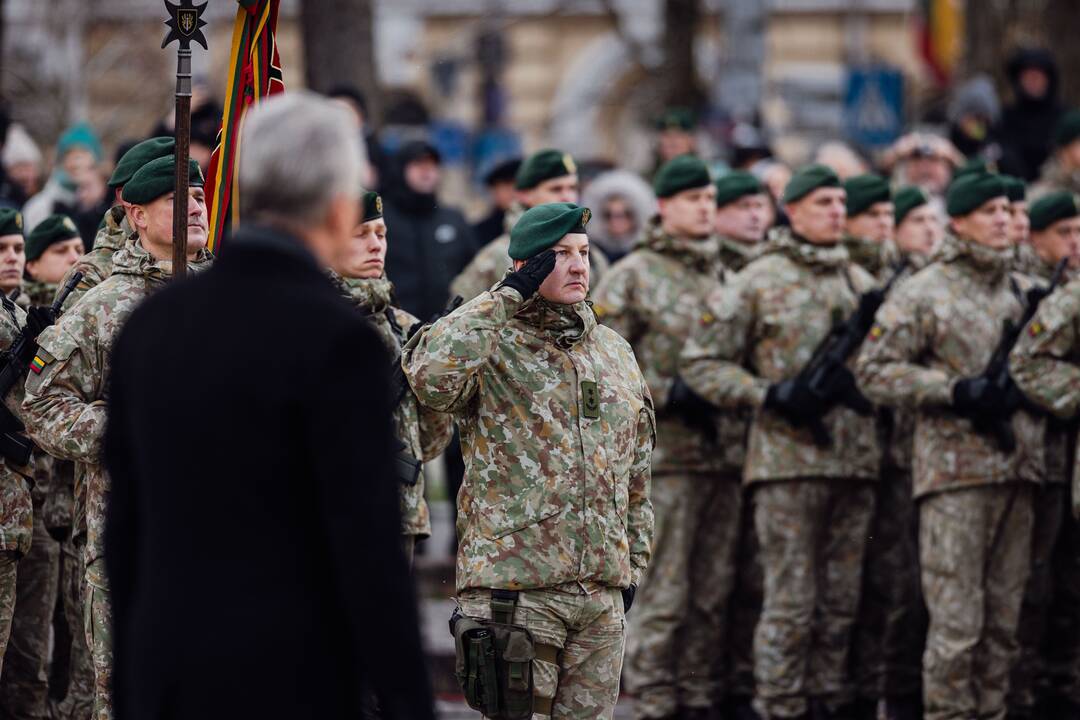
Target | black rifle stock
(14,446)
(822,375)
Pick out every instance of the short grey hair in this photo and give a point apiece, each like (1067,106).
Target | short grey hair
(298,151)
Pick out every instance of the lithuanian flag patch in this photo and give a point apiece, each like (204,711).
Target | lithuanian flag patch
(1035,328)
(37,365)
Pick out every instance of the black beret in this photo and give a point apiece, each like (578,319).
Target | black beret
(505,171)
(684,172)
(544,165)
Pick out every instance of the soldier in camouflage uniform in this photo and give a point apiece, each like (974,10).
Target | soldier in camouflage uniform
(116,230)
(16,504)
(927,351)
(743,209)
(362,280)
(1062,170)
(557,430)
(1044,364)
(66,389)
(52,247)
(868,234)
(547,176)
(653,298)
(812,504)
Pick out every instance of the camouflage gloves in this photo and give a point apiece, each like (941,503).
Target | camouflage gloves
(528,278)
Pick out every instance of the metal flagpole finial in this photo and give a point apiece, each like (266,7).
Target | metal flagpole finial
(185,24)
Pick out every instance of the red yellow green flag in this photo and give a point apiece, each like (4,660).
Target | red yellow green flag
(254,73)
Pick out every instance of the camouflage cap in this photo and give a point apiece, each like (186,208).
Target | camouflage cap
(1015,189)
(808,179)
(968,192)
(1052,207)
(544,165)
(11,222)
(545,225)
(157,178)
(735,185)
(136,157)
(685,172)
(1068,128)
(53,229)
(907,199)
(370,207)
(863,191)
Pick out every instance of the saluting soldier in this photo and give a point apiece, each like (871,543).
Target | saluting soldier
(653,298)
(67,387)
(547,176)
(557,432)
(928,351)
(812,503)
(423,433)
(1046,675)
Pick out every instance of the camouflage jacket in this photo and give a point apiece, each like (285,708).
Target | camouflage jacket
(557,432)
(493,261)
(97,263)
(654,297)
(938,327)
(425,432)
(16,504)
(735,255)
(65,400)
(765,325)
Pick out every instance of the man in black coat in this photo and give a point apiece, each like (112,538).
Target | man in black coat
(429,244)
(253,538)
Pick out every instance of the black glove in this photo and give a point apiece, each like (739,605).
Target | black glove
(691,408)
(628,598)
(59,534)
(1036,295)
(846,392)
(975,397)
(37,319)
(794,401)
(528,278)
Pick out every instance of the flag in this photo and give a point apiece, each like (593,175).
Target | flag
(940,28)
(254,73)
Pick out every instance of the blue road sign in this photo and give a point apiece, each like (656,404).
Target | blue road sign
(874,105)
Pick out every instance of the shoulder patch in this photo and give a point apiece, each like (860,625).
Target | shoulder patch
(1035,328)
(875,332)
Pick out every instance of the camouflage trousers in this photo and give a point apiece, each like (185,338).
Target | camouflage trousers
(589,630)
(745,606)
(891,625)
(1062,638)
(676,638)
(975,555)
(811,535)
(1030,667)
(24,687)
(98,626)
(77,700)
(9,561)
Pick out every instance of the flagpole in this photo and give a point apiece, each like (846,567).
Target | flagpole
(185,24)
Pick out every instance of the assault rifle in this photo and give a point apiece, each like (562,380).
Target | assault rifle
(999,424)
(14,446)
(826,375)
(406,466)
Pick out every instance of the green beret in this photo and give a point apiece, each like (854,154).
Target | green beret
(544,165)
(157,178)
(1068,128)
(545,225)
(863,191)
(684,172)
(1047,210)
(55,228)
(735,185)
(1015,189)
(677,118)
(808,179)
(138,156)
(975,165)
(968,192)
(907,199)
(11,222)
(370,207)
